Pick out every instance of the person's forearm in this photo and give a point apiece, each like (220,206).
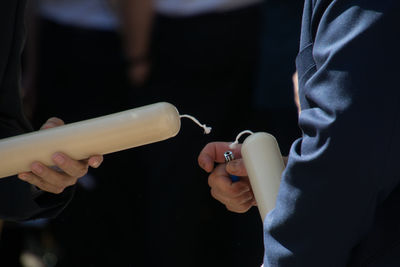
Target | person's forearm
(136,25)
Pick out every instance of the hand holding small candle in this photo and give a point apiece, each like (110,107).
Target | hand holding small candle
(260,167)
(236,196)
(54,181)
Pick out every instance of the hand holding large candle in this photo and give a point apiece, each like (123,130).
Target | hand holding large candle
(97,136)
(69,170)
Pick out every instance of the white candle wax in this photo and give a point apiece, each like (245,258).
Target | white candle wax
(264,165)
(99,136)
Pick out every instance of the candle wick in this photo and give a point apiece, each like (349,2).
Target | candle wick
(207,130)
(234,144)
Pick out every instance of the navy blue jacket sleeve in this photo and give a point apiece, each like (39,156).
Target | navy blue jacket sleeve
(344,166)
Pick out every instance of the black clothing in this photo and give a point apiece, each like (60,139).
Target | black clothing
(18,200)
(204,65)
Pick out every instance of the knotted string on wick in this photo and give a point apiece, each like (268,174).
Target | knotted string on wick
(234,144)
(207,130)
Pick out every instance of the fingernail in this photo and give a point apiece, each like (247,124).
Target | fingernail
(206,167)
(22,176)
(95,164)
(58,158)
(36,167)
(203,165)
(48,125)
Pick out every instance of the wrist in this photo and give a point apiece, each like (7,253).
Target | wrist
(137,61)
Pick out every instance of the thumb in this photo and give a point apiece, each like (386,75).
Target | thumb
(51,123)
(236,167)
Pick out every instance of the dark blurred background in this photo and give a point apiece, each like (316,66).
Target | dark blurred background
(227,62)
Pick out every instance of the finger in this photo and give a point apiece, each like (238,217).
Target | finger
(236,167)
(51,123)
(232,201)
(214,152)
(52,176)
(209,155)
(236,200)
(218,196)
(240,208)
(37,181)
(220,181)
(71,167)
(95,161)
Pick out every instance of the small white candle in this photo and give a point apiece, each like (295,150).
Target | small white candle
(264,165)
(97,136)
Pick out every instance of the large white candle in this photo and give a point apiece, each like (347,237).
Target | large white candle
(97,136)
(264,165)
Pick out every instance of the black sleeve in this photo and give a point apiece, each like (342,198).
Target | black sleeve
(18,200)
(344,166)
(21,201)
(12,121)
